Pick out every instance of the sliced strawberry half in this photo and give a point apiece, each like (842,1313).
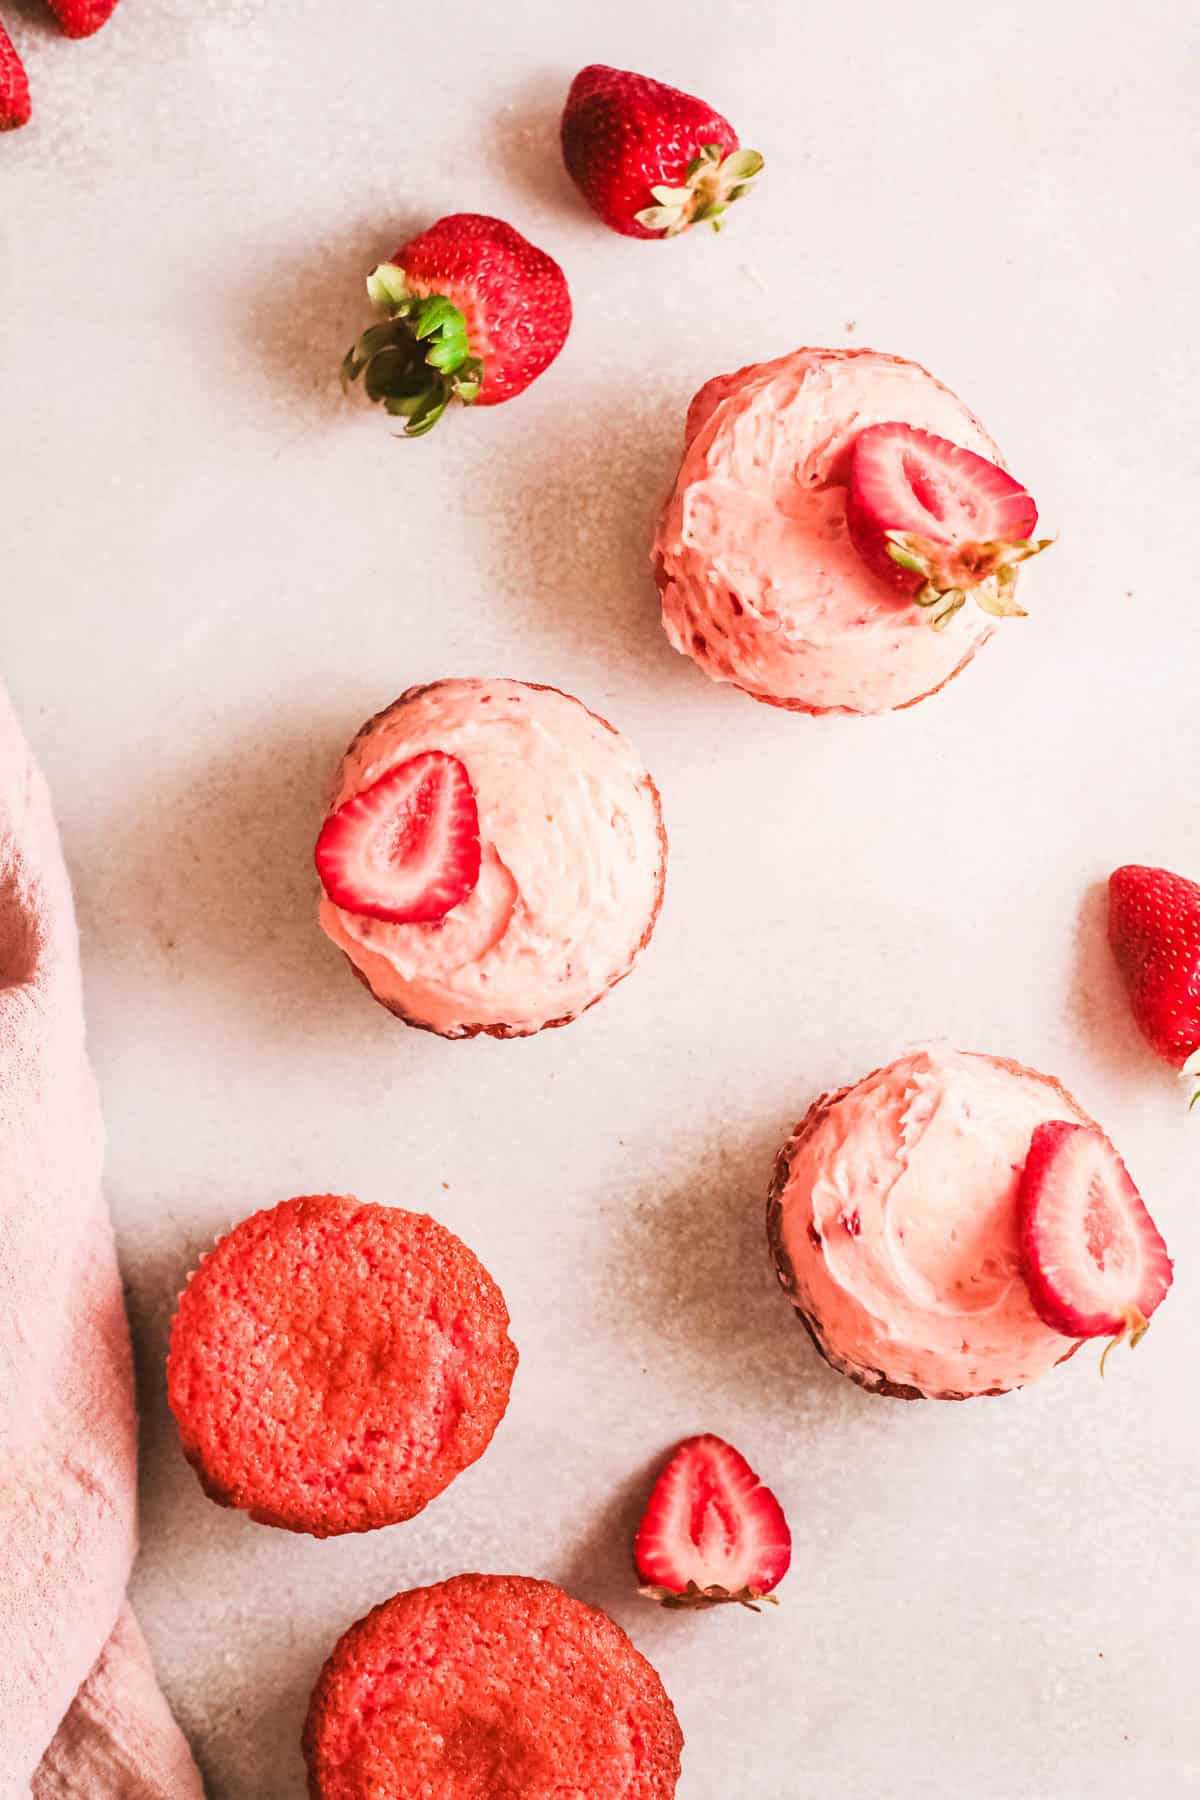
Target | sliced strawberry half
(937,521)
(1092,1255)
(405,849)
(712,1532)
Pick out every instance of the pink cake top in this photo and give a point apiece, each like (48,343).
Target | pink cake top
(760,582)
(899,1219)
(572,861)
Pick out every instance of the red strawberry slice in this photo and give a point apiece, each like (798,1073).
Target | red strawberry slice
(1154,930)
(712,1531)
(406,849)
(938,521)
(1092,1256)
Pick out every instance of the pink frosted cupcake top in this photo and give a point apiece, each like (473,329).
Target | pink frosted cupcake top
(898,1218)
(572,867)
(760,582)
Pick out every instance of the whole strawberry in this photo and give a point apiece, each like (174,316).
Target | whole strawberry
(1154,930)
(14,86)
(475,313)
(648,158)
(80,18)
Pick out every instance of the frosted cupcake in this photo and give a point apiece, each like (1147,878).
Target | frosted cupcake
(894,1222)
(832,506)
(493,859)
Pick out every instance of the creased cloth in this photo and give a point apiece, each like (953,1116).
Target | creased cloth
(81,1714)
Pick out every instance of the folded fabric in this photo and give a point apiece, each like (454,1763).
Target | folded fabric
(80,1712)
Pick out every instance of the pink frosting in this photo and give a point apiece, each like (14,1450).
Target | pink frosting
(760,582)
(899,1221)
(572,867)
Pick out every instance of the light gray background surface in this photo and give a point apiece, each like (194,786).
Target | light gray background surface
(214,568)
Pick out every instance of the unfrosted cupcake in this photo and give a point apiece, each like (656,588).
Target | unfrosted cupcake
(493,859)
(895,1226)
(830,507)
(335,1365)
(489,1687)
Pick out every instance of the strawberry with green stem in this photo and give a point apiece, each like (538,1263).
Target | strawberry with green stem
(475,312)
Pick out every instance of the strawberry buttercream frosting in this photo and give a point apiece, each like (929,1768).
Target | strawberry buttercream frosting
(893,1222)
(760,583)
(572,866)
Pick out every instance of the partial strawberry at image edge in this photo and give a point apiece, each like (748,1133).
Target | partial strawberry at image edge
(649,159)
(712,1532)
(475,313)
(939,522)
(1093,1259)
(14,87)
(82,18)
(1154,934)
(78,19)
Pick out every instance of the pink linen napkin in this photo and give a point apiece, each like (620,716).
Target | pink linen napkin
(80,1711)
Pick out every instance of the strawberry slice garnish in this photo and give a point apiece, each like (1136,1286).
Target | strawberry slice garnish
(405,849)
(1154,930)
(1092,1256)
(939,522)
(712,1532)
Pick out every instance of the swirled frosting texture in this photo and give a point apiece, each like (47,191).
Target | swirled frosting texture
(898,1224)
(760,583)
(573,861)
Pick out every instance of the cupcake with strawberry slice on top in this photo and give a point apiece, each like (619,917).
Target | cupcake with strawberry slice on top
(955,1225)
(831,507)
(493,860)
